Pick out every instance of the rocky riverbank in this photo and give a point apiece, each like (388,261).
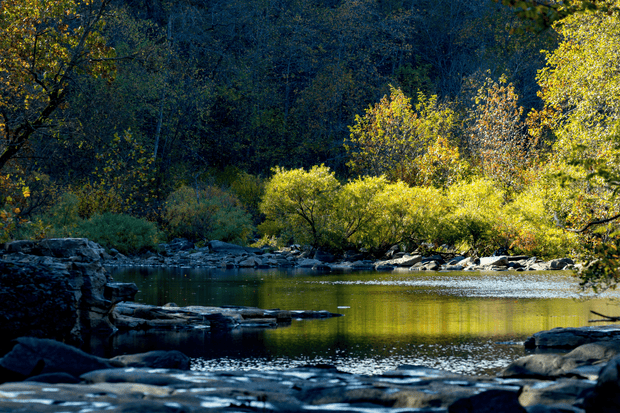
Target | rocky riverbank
(217,254)
(41,375)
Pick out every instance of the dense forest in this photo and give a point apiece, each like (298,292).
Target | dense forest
(343,124)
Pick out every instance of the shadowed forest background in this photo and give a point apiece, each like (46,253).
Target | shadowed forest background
(352,124)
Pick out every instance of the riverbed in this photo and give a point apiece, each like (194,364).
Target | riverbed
(466,322)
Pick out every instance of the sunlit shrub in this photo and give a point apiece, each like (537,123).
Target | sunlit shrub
(476,208)
(206,214)
(532,226)
(125,233)
(302,202)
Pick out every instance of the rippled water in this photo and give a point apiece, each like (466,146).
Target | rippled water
(465,322)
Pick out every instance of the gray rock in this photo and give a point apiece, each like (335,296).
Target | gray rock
(572,337)
(156,359)
(564,391)
(406,261)
(33,356)
(225,247)
(308,263)
(605,398)
(324,256)
(491,401)
(570,364)
(497,261)
(560,264)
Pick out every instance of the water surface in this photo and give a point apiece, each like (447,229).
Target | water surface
(467,322)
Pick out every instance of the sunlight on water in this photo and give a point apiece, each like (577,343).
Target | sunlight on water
(472,323)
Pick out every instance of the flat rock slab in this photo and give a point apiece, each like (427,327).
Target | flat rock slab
(568,338)
(133,316)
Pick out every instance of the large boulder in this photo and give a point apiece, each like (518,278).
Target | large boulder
(34,356)
(37,301)
(605,398)
(572,337)
(547,366)
(57,288)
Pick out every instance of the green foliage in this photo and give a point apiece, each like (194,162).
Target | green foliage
(206,213)
(123,232)
(14,194)
(365,213)
(393,139)
(247,187)
(302,202)
(62,219)
(475,210)
(580,87)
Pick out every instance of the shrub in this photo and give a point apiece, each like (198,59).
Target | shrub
(475,209)
(302,202)
(123,232)
(397,213)
(205,214)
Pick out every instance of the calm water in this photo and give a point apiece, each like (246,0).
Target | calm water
(465,322)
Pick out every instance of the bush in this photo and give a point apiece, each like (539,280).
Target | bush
(475,209)
(302,203)
(120,231)
(206,214)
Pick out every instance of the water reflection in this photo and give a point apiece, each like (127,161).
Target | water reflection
(453,321)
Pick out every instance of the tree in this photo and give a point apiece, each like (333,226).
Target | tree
(580,90)
(302,201)
(543,14)
(393,139)
(498,135)
(44,45)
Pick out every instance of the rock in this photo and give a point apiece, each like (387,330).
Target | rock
(491,401)
(37,301)
(535,366)
(605,398)
(497,261)
(155,359)
(224,247)
(559,392)
(116,292)
(249,262)
(560,264)
(53,378)
(34,356)
(71,247)
(324,256)
(308,263)
(568,365)
(406,261)
(572,337)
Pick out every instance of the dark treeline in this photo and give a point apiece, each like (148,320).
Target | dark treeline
(254,84)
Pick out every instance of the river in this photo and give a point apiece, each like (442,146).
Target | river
(466,322)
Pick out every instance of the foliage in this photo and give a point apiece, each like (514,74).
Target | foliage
(125,183)
(13,197)
(475,210)
(498,135)
(364,213)
(43,46)
(123,232)
(302,202)
(544,14)
(579,87)
(393,139)
(206,213)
